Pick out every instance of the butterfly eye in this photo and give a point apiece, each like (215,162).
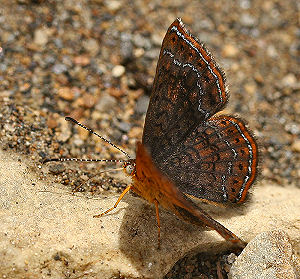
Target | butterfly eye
(129,169)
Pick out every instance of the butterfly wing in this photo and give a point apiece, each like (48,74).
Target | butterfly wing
(188,88)
(216,162)
(211,158)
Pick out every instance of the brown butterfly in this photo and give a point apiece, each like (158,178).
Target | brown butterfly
(186,151)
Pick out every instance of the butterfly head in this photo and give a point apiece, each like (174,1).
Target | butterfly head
(129,167)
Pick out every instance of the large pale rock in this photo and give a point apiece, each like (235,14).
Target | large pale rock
(46,231)
(268,256)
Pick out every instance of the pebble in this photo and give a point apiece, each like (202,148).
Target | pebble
(296,146)
(40,37)
(126,46)
(65,131)
(82,60)
(135,132)
(142,104)
(250,88)
(105,103)
(57,168)
(113,5)
(124,126)
(88,100)
(118,71)
(289,80)
(229,50)
(92,46)
(1,53)
(141,41)
(77,140)
(83,134)
(247,20)
(59,69)
(51,123)
(66,93)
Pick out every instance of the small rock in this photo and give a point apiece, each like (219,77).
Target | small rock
(138,52)
(105,103)
(51,123)
(77,140)
(124,126)
(126,49)
(250,88)
(142,104)
(156,39)
(271,51)
(58,42)
(66,93)
(247,20)
(296,146)
(229,50)
(59,69)
(82,60)
(65,133)
(118,71)
(40,37)
(1,53)
(88,100)
(268,255)
(289,80)
(113,5)
(83,134)
(116,92)
(57,168)
(25,87)
(141,41)
(91,45)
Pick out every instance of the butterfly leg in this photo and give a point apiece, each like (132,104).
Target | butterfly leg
(158,222)
(195,215)
(116,204)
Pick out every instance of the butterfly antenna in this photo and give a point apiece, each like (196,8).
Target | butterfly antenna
(91,131)
(82,160)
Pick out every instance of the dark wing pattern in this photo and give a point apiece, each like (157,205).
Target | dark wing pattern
(188,88)
(211,158)
(216,162)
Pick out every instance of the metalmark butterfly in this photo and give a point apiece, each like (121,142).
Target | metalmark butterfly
(186,151)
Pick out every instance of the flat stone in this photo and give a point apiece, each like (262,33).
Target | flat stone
(47,230)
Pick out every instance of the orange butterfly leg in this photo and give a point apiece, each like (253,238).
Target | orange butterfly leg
(116,204)
(158,222)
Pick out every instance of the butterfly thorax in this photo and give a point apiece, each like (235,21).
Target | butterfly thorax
(144,183)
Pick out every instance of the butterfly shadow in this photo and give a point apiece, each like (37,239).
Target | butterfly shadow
(138,237)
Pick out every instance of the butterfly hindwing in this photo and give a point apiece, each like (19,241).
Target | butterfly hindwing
(152,184)
(216,162)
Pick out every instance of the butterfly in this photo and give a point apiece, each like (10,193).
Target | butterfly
(187,152)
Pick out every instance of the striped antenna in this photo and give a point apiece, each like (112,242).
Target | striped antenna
(91,131)
(82,160)
(89,160)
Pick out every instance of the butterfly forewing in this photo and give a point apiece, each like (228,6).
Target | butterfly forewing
(188,88)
